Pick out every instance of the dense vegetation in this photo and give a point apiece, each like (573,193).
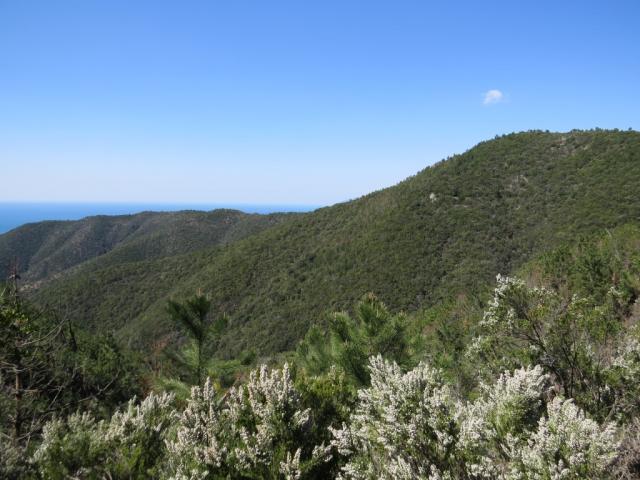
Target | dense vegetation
(46,249)
(446,231)
(543,384)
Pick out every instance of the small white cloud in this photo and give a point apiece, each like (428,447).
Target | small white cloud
(493,96)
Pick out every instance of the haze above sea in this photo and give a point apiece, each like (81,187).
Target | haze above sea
(14,214)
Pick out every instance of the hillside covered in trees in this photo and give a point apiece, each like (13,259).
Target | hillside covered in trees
(444,232)
(45,250)
(540,380)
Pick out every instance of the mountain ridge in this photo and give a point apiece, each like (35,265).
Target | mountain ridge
(44,250)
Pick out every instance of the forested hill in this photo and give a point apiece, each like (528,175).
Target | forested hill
(45,249)
(449,229)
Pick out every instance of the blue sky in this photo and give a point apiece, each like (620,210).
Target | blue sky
(291,102)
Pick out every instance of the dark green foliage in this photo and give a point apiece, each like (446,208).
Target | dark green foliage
(441,335)
(106,374)
(351,341)
(27,384)
(47,368)
(593,264)
(330,399)
(193,317)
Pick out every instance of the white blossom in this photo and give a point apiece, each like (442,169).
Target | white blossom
(402,427)
(501,420)
(566,445)
(80,446)
(244,432)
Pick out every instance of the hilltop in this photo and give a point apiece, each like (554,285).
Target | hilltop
(447,230)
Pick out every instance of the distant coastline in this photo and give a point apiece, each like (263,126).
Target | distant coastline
(14,214)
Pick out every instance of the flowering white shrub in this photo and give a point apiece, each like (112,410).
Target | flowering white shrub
(624,376)
(198,435)
(74,447)
(628,358)
(12,464)
(572,338)
(128,446)
(512,433)
(408,426)
(501,420)
(566,445)
(402,428)
(513,313)
(257,430)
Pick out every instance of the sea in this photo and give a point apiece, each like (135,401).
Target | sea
(14,214)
